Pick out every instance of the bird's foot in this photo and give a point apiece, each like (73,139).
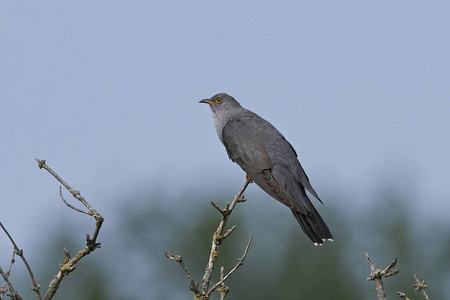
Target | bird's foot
(248,178)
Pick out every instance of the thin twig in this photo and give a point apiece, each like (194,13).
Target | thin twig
(420,286)
(239,263)
(19,252)
(218,237)
(70,205)
(223,289)
(13,260)
(402,295)
(4,288)
(377,274)
(193,286)
(69,264)
(203,292)
(91,243)
(14,295)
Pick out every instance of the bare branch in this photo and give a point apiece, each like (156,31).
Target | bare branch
(203,293)
(13,292)
(193,286)
(69,205)
(91,243)
(240,263)
(420,286)
(377,274)
(402,295)
(69,264)
(218,237)
(222,288)
(19,252)
(229,231)
(4,288)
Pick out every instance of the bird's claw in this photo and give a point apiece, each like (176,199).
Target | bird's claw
(248,178)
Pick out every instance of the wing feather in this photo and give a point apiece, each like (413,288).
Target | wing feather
(246,145)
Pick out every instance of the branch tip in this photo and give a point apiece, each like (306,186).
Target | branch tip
(402,295)
(202,291)
(91,244)
(228,233)
(41,163)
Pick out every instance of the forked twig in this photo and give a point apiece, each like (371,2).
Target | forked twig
(239,263)
(19,252)
(69,264)
(70,205)
(14,294)
(203,291)
(377,274)
(420,286)
(222,288)
(218,237)
(4,288)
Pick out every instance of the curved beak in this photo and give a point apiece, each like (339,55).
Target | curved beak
(207,101)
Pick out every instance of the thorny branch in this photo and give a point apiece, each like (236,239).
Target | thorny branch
(69,264)
(203,291)
(377,274)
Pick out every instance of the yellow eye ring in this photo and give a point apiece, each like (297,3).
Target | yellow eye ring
(219,100)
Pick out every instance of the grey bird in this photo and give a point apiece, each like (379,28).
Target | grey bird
(269,160)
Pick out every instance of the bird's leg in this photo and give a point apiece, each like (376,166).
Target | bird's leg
(248,178)
(242,198)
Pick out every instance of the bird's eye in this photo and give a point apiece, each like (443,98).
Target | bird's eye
(219,100)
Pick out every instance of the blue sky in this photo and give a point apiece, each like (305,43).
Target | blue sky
(107,92)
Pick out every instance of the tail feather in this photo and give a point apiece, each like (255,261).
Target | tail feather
(313,226)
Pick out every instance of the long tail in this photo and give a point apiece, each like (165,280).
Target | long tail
(313,226)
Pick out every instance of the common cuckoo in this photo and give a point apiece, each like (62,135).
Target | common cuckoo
(269,160)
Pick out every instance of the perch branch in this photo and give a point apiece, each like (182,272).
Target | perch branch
(218,237)
(377,274)
(203,292)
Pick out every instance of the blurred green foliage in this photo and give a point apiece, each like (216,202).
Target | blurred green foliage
(281,264)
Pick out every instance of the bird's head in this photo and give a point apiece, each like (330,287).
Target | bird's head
(222,103)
